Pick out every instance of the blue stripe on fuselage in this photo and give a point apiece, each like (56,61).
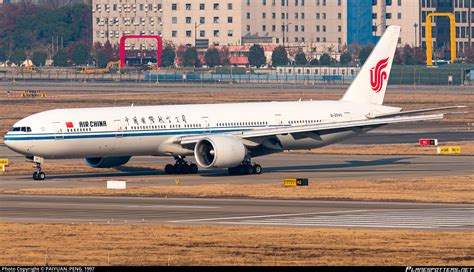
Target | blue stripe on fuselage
(116,134)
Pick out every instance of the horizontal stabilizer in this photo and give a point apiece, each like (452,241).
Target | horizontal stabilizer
(400,113)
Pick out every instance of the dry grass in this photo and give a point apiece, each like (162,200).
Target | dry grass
(467,148)
(430,189)
(62,244)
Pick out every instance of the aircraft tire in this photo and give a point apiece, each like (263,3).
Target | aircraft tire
(41,176)
(193,168)
(246,169)
(169,169)
(257,169)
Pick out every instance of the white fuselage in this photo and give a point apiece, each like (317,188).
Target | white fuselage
(152,130)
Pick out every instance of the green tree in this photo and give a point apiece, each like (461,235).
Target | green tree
(346,58)
(109,51)
(300,58)
(39,58)
(60,58)
(18,56)
(398,58)
(27,26)
(408,55)
(325,59)
(190,58)
(212,57)
(224,55)
(420,55)
(101,58)
(314,62)
(257,56)
(80,54)
(470,54)
(168,56)
(3,55)
(279,56)
(365,53)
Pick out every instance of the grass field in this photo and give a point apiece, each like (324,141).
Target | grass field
(65,244)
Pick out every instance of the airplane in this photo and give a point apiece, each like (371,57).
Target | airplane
(217,135)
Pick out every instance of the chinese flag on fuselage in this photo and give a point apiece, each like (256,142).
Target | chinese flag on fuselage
(69,125)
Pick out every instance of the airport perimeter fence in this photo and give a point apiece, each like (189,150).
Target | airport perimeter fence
(175,76)
(457,74)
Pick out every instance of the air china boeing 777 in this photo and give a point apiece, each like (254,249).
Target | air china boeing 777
(218,135)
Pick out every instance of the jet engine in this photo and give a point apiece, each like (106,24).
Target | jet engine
(219,152)
(109,162)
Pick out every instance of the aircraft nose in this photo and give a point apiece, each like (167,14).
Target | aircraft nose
(13,145)
(7,142)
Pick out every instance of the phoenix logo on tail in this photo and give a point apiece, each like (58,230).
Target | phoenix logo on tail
(378,75)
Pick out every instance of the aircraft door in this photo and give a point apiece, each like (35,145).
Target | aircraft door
(205,124)
(118,128)
(278,120)
(347,116)
(58,131)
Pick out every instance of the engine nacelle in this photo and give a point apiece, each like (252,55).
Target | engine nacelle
(219,152)
(107,162)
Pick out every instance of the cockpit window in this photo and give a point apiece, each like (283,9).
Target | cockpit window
(22,129)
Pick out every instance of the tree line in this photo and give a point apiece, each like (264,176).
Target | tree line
(36,32)
(64,34)
(256,57)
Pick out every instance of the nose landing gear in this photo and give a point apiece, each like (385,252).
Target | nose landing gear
(38,174)
(181,167)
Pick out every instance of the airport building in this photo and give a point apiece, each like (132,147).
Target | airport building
(314,25)
(405,13)
(464,16)
(232,22)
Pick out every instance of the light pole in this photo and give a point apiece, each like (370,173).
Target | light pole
(285,27)
(415,25)
(196,25)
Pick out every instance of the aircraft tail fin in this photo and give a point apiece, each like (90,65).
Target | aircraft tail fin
(370,84)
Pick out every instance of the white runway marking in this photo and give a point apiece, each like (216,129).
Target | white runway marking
(172,207)
(410,218)
(260,216)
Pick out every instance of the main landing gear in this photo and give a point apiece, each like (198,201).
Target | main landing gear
(246,168)
(181,167)
(38,174)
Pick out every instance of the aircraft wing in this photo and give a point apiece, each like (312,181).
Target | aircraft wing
(400,113)
(307,130)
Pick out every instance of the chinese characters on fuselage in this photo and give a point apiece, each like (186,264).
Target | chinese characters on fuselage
(160,119)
